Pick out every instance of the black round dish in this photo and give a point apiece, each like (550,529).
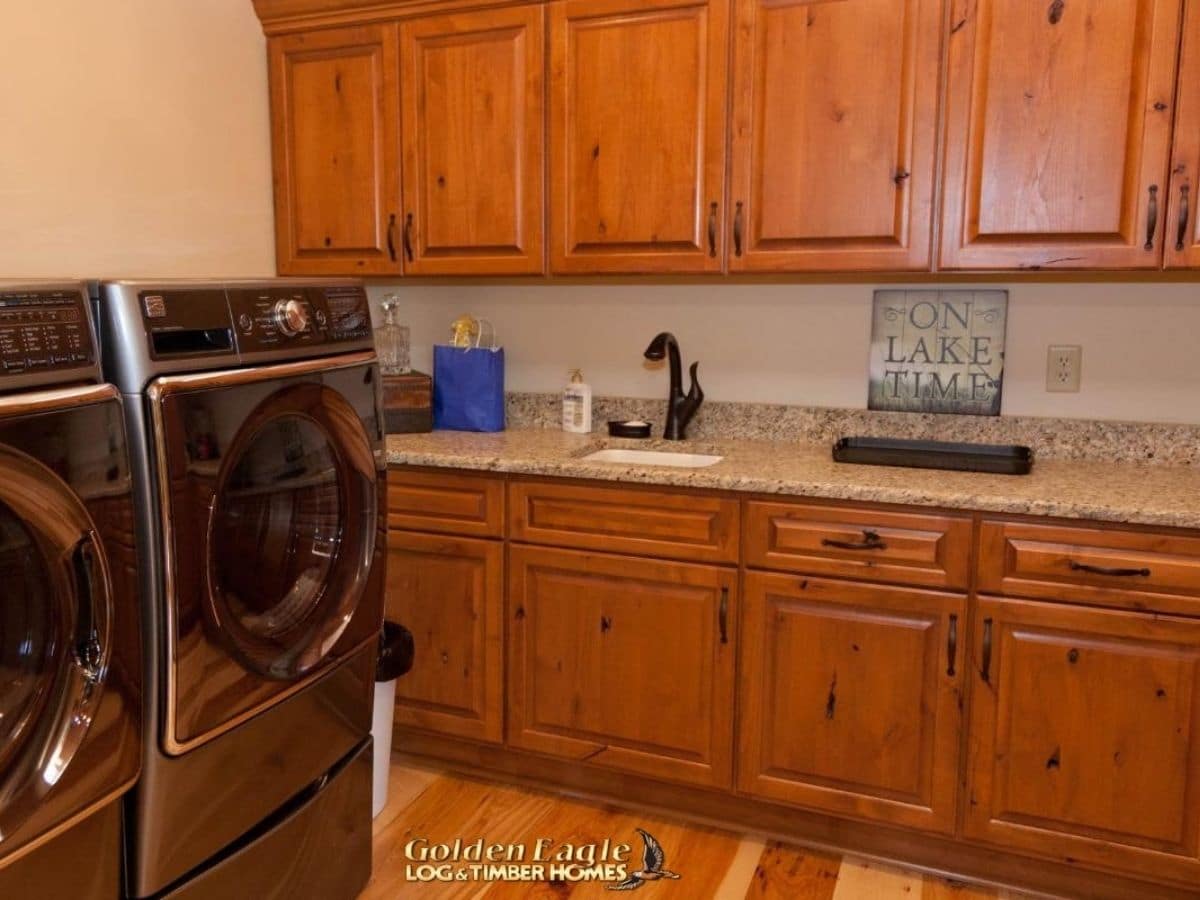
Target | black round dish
(629,430)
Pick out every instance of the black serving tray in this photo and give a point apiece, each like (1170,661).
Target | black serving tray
(1007,459)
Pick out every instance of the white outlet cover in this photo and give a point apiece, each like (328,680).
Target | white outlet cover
(1063,365)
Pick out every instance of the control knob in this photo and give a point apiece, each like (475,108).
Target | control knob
(291,316)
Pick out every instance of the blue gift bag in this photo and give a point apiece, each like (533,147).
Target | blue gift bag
(468,388)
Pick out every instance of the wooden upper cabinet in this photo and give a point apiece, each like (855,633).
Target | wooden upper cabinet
(637,135)
(1085,736)
(1058,130)
(473,120)
(334,99)
(834,134)
(1183,224)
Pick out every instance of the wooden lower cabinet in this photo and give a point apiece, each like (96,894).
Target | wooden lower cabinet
(449,592)
(1053,741)
(850,698)
(622,662)
(1085,742)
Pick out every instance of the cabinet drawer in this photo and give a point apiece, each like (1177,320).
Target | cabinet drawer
(1136,570)
(646,523)
(471,505)
(905,548)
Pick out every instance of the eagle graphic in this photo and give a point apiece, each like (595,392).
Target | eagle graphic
(652,869)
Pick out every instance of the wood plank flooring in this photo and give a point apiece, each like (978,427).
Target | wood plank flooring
(723,865)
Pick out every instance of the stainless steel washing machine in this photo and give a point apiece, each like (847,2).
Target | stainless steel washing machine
(256,434)
(70,660)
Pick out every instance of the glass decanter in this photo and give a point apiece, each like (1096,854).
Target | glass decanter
(391,339)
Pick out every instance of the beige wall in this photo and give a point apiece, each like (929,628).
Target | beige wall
(133,139)
(807,344)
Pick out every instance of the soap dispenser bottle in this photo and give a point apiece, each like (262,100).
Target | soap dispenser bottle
(577,405)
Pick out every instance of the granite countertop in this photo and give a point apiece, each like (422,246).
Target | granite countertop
(1078,489)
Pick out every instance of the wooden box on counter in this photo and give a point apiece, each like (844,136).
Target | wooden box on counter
(408,403)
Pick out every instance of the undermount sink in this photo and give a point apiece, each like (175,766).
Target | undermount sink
(653,458)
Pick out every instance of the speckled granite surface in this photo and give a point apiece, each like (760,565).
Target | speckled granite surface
(1080,489)
(1174,445)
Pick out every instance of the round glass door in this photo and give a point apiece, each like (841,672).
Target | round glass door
(291,531)
(54,630)
(30,634)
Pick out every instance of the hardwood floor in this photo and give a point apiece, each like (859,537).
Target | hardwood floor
(443,806)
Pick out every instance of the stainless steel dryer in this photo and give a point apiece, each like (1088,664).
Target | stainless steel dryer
(70,661)
(257,445)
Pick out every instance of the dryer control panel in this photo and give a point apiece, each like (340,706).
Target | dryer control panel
(276,317)
(44,330)
(153,328)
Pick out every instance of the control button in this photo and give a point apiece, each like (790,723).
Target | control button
(321,317)
(155,306)
(245,323)
(291,317)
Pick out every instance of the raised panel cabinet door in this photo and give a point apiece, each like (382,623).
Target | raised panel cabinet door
(473,131)
(449,592)
(1058,133)
(335,135)
(637,135)
(850,698)
(1183,232)
(834,134)
(621,662)
(1085,736)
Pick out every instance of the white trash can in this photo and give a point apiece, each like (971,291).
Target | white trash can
(395,659)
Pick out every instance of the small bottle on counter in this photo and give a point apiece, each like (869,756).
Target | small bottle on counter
(391,339)
(577,405)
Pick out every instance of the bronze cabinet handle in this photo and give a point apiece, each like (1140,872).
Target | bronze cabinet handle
(1152,218)
(391,236)
(737,230)
(408,247)
(712,230)
(1102,570)
(723,615)
(952,645)
(986,669)
(871,541)
(1185,193)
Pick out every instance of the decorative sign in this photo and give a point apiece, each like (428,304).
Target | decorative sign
(938,351)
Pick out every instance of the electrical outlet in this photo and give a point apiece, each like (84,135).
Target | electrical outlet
(1063,362)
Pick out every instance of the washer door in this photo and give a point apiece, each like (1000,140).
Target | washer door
(291,532)
(55,631)
(271,481)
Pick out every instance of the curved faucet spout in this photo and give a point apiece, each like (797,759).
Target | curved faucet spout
(681,408)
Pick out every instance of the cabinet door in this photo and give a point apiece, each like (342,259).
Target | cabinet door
(1085,736)
(622,662)
(833,160)
(1183,223)
(335,134)
(850,698)
(1057,135)
(473,133)
(637,134)
(449,592)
